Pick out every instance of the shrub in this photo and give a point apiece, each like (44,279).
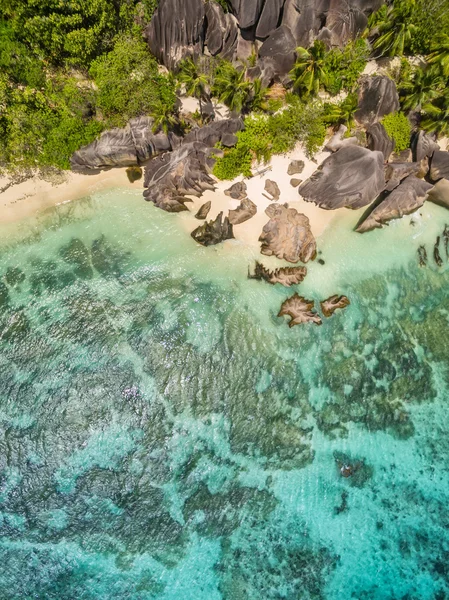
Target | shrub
(398,129)
(344,66)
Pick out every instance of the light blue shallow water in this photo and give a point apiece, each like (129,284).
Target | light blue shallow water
(163,435)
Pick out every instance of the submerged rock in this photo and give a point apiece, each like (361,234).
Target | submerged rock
(300,310)
(203,211)
(436,253)
(333,303)
(286,276)
(14,276)
(422,256)
(77,254)
(403,200)
(213,232)
(245,210)
(378,97)
(4,294)
(439,165)
(287,235)
(355,469)
(272,188)
(446,240)
(352,177)
(296,167)
(237,191)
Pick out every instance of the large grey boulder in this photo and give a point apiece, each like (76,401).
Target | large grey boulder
(377,139)
(352,177)
(278,51)
(215,132)
(176,31)
(213,232)
(245,210)
(440,193)
(423,146)
(269,18)
(378,97)
(122,147)
(287,235)
(338,140)
(222,31)
(396,172)
(439,165)
(403,200)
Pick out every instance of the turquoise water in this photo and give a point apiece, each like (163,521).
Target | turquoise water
(163,435)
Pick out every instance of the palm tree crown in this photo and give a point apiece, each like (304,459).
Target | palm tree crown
(309,71)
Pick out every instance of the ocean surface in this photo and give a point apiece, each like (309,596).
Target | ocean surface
(165,436)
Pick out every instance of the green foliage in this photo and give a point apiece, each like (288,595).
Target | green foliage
(265,135)
(439,57)
(129,83)
(436,115)
(309,71)
(342,113)
(422,85)
(344,66)
(231,87)
(149,7)
(398,129)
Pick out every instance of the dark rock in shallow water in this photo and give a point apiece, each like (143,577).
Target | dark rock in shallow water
(439,165)
(134,174)
(77,254)
(243,212)
(403,200)
(176,31)
(213,232)
(446,240)
(352,178)
(422,256)
(14,276)
(296,167)
(423,146)
(15,325)
(355,469)
(333,303)
(287,235)
(4,294)
(286,276)
(300,310)
(237,191)
(378,97)
(203,211)
(105,259)
(436,253)
(272,188)
(378,140)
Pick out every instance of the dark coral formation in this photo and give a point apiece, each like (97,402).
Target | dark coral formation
(213,232)
(286,276)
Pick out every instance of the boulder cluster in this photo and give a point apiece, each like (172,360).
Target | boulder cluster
(271,28)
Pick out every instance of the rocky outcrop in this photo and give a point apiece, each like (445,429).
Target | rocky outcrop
(272,188)
(237,191)
(203,211)
(286,276)
(174,175)
(213,232)
(214,132)
(125,147)
(378,140)
(295,182)
(378,97)
(296,167)
(439,165)
(338,140)
(396,172)
(440,193)
(287,235)
(403,200)
(329,306)
(423,146)
(352,177)
(245,210)
(300,310)
(222,31)
(279,51)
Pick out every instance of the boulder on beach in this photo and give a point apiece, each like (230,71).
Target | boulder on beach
(245,210)
(203,211)
(287,235)
(329,306)
(377,139)
(237,191)
(378,97)
(423,146)
(403,200)
(352,177)
(338,140)
(439,194)
(272,188)
(300,310)
(439,165)
(296,167)
(213,232)
(295,182)
(286,276)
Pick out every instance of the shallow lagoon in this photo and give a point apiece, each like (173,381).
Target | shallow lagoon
(165,436)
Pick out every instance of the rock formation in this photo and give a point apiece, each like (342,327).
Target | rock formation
(396,172)
(245,210)
(338,140)
(300,310)
(436,253)
(272,188)
(329,306)
(237,191)
(295,182)
(423,146)
(203,211)
(286,276)
(213,232)
(422,256)
(439,165)
(378,140)
(440,193)
(378,97)
(287,235)
(296,167)
(352,177)
(403,200)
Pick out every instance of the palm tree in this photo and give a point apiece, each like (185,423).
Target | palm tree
(422,87)
(394,27)
(342,113)
(309,71)
(231,86)
(164,119)
(258,96)
(195,82)
(436,115)
(440,54)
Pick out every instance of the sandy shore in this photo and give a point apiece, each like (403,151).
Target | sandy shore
(24,199)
